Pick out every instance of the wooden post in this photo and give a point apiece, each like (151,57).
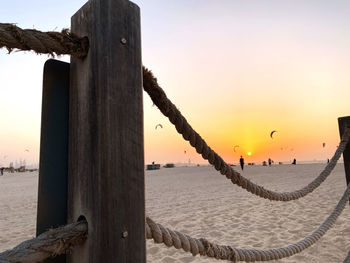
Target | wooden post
(52,192)
(106,158)
(343,122)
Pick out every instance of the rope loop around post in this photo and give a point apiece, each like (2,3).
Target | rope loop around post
(49,244)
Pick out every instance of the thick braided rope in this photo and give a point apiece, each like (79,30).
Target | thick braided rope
(13,37)
(160,99)
(67,43)
(48,244)
(161,234)
(61,240)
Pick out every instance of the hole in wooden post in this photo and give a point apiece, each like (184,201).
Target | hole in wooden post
(82,218)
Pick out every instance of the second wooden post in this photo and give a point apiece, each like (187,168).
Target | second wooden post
(344,122)
(106,159)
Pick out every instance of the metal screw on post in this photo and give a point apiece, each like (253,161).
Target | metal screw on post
(125,234)
(123,41)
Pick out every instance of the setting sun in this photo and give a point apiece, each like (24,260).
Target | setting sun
(249,153)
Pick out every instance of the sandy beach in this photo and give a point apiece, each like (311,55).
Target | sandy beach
(200,202)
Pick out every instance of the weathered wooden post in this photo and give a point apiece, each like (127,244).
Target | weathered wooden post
(345,122)
(106,159)
(52,192)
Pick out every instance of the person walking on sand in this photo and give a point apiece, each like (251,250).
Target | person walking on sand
(270,161)
(294,161)
(241,162)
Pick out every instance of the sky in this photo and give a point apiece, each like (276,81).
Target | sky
(236,69)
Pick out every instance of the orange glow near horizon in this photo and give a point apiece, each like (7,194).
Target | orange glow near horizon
(295,139)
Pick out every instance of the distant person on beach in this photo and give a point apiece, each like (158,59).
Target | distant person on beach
(2,170)
(294,161)
(327,160)
(270,161)
(241,162)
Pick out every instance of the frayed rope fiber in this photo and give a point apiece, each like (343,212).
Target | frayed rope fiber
(59,43)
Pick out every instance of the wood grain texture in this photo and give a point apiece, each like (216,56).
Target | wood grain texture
(106,158)
(345,122)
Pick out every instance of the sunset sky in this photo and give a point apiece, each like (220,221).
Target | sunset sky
(236,69)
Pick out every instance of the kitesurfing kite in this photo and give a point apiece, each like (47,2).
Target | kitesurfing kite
(160,125)
(271,134)
(234,147)
(26,150)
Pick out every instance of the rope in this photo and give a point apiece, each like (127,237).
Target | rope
(13,37)
(168,109)
(161,234)
(48,244)
(61,240)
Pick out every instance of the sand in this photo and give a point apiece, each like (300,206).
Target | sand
(202,203)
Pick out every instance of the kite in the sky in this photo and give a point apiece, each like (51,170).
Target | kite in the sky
(159,125)
(234,147)
(271,134)
(26,150)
